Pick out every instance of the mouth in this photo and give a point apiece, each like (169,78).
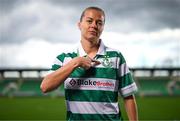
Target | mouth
(93,33)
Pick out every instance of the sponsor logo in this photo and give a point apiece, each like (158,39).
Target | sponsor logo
(72,82)
(80,82)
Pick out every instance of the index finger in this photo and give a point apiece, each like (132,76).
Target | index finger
(96,62)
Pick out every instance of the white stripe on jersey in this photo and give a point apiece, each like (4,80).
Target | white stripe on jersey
(66,60)
(92,107)
(123,69)
(113,61)
(57,62)
(129,89)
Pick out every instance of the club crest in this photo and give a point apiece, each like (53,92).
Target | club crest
(106,62)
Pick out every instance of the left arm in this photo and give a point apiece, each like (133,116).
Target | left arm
(131,108)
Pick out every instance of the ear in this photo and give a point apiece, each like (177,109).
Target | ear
(79,25)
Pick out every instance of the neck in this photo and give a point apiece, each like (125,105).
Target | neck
(90,47)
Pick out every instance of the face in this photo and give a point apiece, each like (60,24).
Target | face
(92,25)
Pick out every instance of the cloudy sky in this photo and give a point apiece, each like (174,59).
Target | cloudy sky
(34,32)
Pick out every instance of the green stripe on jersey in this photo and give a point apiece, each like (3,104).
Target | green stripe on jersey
(109,73)
(55,67)
(110,54)
(91,95)
(95,117)
(62,56)
(126,80)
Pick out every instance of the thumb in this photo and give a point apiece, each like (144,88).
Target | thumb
(95,62)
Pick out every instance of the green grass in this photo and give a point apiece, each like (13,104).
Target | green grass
(38,108)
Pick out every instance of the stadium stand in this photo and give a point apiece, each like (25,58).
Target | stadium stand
(150,81)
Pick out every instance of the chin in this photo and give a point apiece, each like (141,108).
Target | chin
(92,37)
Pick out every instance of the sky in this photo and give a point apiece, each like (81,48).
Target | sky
(34,32)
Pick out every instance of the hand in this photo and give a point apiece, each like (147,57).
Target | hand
(86,62)
(94,62)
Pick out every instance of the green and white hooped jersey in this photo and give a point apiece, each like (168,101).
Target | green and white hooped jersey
(93,94)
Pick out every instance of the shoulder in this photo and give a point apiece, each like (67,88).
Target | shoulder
(64,55)
(71,53)
(113,52)
(110,52)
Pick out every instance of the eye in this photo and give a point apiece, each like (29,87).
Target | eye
(89,21)
(100,23)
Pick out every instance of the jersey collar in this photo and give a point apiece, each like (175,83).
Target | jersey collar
(101,50)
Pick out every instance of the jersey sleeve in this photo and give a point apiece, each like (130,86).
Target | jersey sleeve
(58,63)
(127,85)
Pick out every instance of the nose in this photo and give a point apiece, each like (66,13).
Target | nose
(94,25)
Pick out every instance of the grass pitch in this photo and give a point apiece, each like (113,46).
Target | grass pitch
(44,108)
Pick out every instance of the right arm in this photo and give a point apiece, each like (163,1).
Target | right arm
(56,78)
